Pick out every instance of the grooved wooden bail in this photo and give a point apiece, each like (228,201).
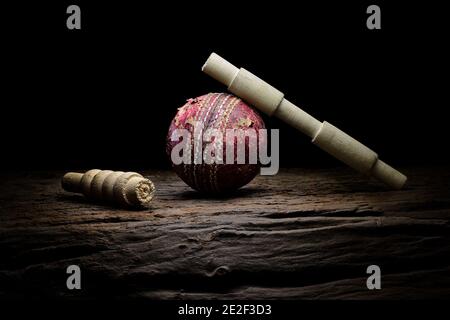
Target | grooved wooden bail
(125,188)
(271,101)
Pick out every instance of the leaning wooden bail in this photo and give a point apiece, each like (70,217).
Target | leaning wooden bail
(271,101)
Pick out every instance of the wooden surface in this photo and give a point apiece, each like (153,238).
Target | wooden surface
(303,234)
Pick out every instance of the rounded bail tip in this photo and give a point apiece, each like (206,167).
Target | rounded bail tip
(220,69)
(71,181)
(391,177)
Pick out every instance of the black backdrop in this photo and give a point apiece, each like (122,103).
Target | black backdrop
(104,96)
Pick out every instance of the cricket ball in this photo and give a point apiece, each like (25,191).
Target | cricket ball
(188,133)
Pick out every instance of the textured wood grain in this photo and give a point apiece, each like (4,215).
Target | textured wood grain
(306,234)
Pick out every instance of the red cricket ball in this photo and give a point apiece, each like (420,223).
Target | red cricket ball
(219,111)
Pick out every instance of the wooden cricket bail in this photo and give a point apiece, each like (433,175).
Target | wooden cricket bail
(271,101)
(128,189)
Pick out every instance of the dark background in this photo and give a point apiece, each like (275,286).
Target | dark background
(104,96)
